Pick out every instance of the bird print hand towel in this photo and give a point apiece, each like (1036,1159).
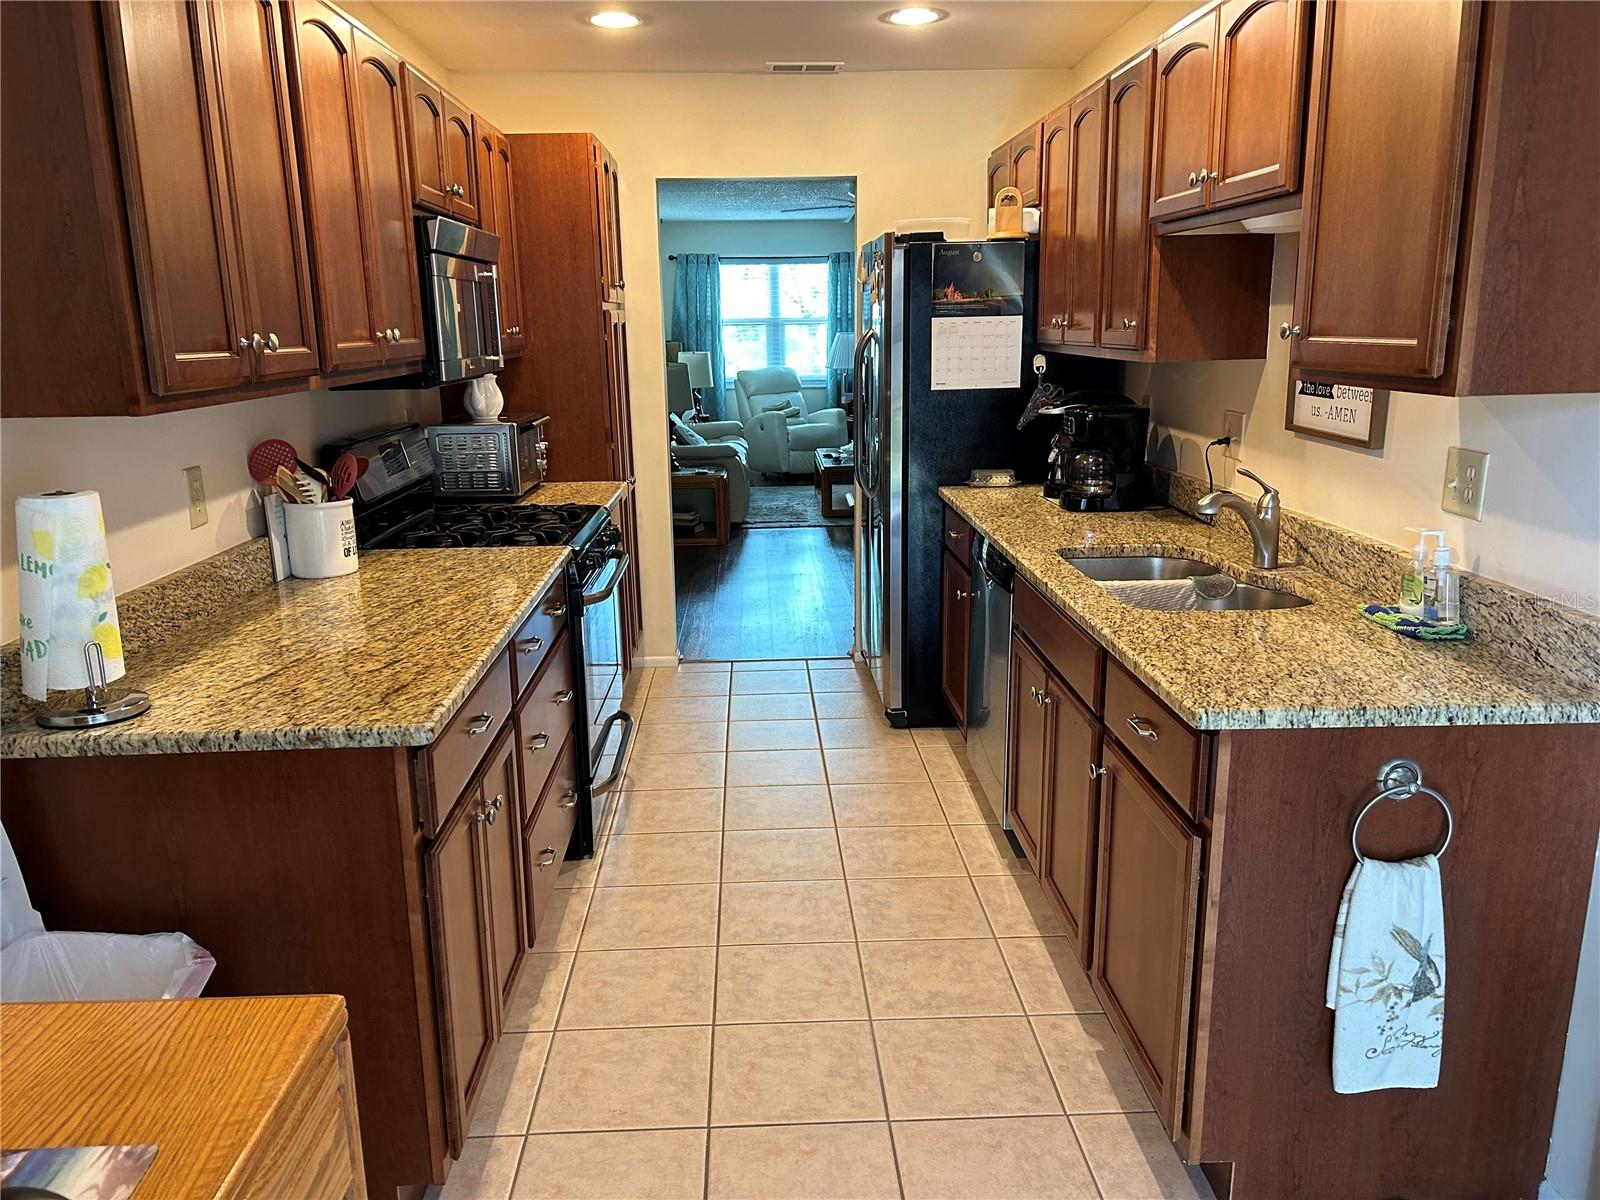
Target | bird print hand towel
(1386,977)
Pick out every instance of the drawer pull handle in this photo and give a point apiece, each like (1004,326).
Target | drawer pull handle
(539,741)
(569,800)
(955,534)
(533,646)
(1143,728)
(564,696)
(480,724)
(1095,771)
(547,857)
(558,610)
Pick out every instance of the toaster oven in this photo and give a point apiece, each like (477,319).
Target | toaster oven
(488,459)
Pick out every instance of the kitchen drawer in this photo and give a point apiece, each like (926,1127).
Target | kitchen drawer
(544,719)
(534,639)
(1161,743)
(957,537)
(545,842)
(456,753)
(1076,657)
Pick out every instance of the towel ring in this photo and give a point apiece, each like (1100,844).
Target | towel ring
(1401,779)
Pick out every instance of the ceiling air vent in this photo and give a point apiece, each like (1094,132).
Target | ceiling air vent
(804,68)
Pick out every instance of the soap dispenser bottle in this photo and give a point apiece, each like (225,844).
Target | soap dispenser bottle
(1413,582)
(1441,588)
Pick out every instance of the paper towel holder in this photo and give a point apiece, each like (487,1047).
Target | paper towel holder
(101,706)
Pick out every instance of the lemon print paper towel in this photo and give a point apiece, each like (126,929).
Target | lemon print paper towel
(66,598)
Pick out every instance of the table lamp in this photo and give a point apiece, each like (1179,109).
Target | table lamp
(699,364)
(842,354)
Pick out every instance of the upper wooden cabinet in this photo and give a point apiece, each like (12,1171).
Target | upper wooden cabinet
(1072,219)
(444,176)
(213,193)
(497,210)
(347,85)
(1230,88)
(1125,242)
(1019,164)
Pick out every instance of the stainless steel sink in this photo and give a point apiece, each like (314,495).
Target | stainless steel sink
(1148,568)
(1248,596)
(1144,566)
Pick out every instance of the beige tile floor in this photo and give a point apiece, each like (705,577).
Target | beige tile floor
(805,962)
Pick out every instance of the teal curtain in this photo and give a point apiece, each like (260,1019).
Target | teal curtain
(841,311)
(697,318)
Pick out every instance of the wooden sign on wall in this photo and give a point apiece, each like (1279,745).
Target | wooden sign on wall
(1339,412)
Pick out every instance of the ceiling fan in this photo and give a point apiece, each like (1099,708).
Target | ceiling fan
(848,201)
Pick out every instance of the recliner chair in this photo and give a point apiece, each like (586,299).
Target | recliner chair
(782,429)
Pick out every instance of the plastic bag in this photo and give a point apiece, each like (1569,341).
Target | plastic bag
(103,966)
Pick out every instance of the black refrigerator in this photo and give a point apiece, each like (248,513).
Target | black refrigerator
(943,369)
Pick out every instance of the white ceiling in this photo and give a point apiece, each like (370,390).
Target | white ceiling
(743,35)
(756,199)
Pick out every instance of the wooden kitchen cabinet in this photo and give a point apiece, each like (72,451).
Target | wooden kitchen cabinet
(609,187)
(1145,927)
(425,134)
(213,193)
(1070,854)
(498,210)
(1185,77)
(955,616)
(1391,106)
(1019,164)
(1125,241)
(1072,219)
(460,161)
(1029,751)
(503,870)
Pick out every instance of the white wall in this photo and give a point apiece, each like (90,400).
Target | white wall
(751,239)
(916,144)
(136,464)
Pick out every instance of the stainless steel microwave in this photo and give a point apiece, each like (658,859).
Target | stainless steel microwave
(460,299)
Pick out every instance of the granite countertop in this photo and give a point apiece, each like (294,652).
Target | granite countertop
(604,493)
(1319,666)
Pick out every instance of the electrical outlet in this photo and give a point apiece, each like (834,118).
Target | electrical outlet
(1233,427)
(195,487)
(1465,474)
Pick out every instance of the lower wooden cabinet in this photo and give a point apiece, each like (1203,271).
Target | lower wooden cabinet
(955,617)
(1073,807)
(1145,936)
(1029,752)
(553,816)
(503,866)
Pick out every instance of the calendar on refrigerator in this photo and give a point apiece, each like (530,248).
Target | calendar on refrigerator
(976,337)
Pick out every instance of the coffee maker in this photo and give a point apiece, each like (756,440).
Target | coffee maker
(1096,460)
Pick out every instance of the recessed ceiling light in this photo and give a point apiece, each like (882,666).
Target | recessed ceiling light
(914,16)
(612,19)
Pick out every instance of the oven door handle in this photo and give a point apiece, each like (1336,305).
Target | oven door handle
(600,786)
(616,569)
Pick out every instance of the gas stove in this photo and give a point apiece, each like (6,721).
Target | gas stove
(442,525)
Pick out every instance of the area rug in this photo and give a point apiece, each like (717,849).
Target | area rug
(787,506)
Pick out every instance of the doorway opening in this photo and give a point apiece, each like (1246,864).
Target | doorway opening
(758,284)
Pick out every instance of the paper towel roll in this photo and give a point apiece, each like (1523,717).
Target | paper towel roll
(66,598)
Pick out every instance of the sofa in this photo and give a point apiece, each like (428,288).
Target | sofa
(781,427)
(707,443)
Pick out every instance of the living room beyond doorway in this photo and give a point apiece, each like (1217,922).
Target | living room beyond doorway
(759,278)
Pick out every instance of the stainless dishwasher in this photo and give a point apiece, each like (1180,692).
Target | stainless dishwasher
(989,671)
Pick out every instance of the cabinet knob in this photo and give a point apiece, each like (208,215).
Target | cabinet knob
(1194,179)
(498,802)
(1096,771)
(1143,728)
(539,741)
(1129,323)
(547,857)
(1204,175)
(1287,331)
(960,595)
(257,342)
(380,335)
(244,344)
(480,724)
(272,342)
(569,800)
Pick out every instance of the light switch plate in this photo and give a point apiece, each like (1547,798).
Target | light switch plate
(194,486)
(1233,427)
(1465,474)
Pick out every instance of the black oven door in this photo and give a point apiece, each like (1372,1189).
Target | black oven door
(610,726)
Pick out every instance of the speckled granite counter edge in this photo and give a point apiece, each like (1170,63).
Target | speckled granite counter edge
(1309,716)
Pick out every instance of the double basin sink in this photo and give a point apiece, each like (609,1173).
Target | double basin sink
(1212,594)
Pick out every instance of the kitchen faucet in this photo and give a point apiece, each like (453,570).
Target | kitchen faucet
(1261,518)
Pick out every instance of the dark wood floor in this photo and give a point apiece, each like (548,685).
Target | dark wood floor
(769,593)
